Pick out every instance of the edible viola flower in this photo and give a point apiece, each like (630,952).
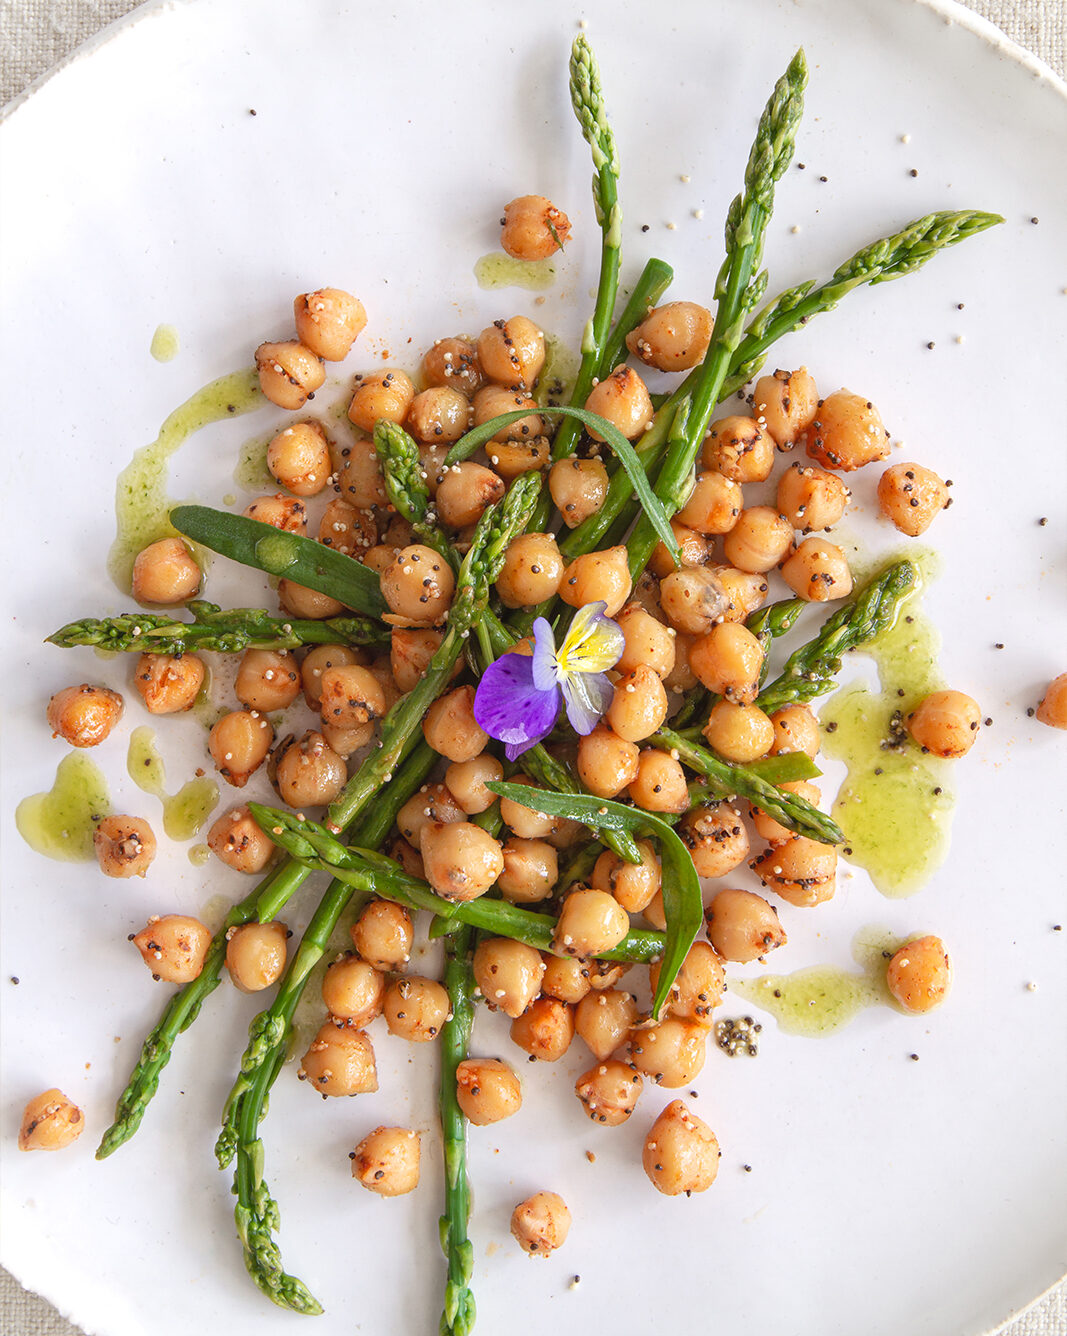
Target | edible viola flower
(518,698)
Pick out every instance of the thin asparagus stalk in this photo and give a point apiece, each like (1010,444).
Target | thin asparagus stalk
(457,1319)
(405,484)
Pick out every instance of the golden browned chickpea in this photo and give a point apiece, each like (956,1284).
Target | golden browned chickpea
(299,458)
(453,362)
(742,926)
(464,492)
(716,838)
(578,488)
(802,871)
(383,935)
(693,600)
(168,683)
(533,228)
(603,1019)
(920,974)
(509,974)
(50,1121)
(773,831)
(759,540)
(673,337)
(380,394)
(173,947)
(289,373)
(280,512)
(84,715)
(439,415)
(487,1090)
(785,404)
(671,1052)
(300,601)
(410,652)
(680,1153)
(493,401)
(604,974)
(433,802)
(698,986)
(739,449)
(609,1091)
(310,773)
(1053,708)
(124,846)
(532,570)
(255,954)
(347,530)
(267,679)
(353,990)
(714,503)
(795,730)
(912,497)
(350,695)
(728,661)
(545,1029)
(382,669)
(512,352)
(739,733)
(415,1008)
(945,723)
(632,884)
(660,783)
(408,857)
(328,322)
(811,498)
(648,642)
(531,869)
(695,549)
(462,860)
(419,585)
(340,1061)
(239,744)
(565,978)
(681,677)
(654,912)
(744,591)
(540,1223)
(237,839)
(387,1161)
(317,661)
(818,571)
(623,399)
(510,458)
(165,573)
(606,763)
(450,728)
(346,741)
(361,480)
(638,706)
(846,433)
(466,781)
(590,923)
(526,822)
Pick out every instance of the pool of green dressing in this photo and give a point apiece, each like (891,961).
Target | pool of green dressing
(251,473)
(165,345)
(559,372)
(60,823)
(498,270)
(184,812)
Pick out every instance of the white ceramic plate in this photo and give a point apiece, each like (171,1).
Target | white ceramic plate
(884,1195)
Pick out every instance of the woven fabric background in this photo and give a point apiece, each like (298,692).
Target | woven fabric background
(35,34)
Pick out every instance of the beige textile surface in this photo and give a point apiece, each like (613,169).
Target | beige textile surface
(35,34)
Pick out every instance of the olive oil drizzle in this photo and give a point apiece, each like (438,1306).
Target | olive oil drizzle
(184,812)
(497,270)
(60,824)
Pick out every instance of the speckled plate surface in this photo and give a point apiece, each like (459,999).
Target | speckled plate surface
(882,1195)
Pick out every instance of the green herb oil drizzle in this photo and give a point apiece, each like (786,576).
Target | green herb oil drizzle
(60,823)
(497,270)
(184,812)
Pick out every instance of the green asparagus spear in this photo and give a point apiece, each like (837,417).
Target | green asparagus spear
(405,484)
(457,1319)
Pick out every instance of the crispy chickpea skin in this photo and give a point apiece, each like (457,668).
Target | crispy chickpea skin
(168,683)
(280,512)
(466,781)
(673,337)
(693,600)
(173,947)
(509,974)
(846,433)
(578,488)
(533,228)
(545,1029)
(540,1224)
(533,568)
(590,923)
(419,585)
(50,1121)
(255,954)
(299,458)
(609,1091)
(632,884)
(741,733)
(785,404)
(328,321)
(380,394)
(462,860)
(606,762)
(165,573)
(512,352)
(289,373)
(450,728)
(84,715)
(237,839)
(267,679)
(415,1008)
(623,399)
(811,498)
(124,846)
(340,1061)
(920,974)
(597,576)
(911,497)
(383,935)
(739,449)
(742,926)
(681,1153)
(698,986)
(818,571)
(487,1090)
(1053,708)
(660,783)
(945,723)
(463,493)
(638,706)
(647,642)
(603,1019)
(716,838)
(387,1160)
(353,990)
(802,871)
(310,773)
(670,1053)
(728,661)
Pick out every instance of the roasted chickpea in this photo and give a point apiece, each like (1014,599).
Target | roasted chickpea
(609,1091)
(648,642)
(280,512)
(512,352)
(509,974)
(495,400)
(239,744)
(532,570)
(346,741)
(487,1090)
(124,846)
(387,1161)
(632,884)
(671,1052)
(419,585)
(693,600)
(802,871)
(811,498)
(920,974)
(84,715)
(237,839)
(453,362)
(739,449)
(590,923)
(433,802)
(603,1019)
(310,773)
(50,1121)
(716,838)
(267,679)
(540,1223)
(466,781)
(383,935)
(785,404)
(759,540)
(654,912)
(846,433)
(361,480)
(353,990)
(289,373)
(350,695)
(578,488)
(328,322)
(415,1008)
(728,661)
(255,954)
(165,573)
(694,549)
(681,677)
(565,978)
(173,947)
(449,726)
(714,503)
(545,1029)
(606,763)
(316,662)
(347,530)
(742,926)
(407,856)
(533,228)
(680,1153)
(912,497)
(660,783)
(818,571)
(739,733)
(638,706)
(340,1061)
(462,860)
(945,723)
(410,651)
(439,415)
(531,869)
(1053,707)
(463,493)
(380,394)
(526,822)
(300,601)
(623,399)
(382,669)
(744,591)
(698,986)
(773,831)
(168,683)
(673,337)
(512,457)
(299,457)
(795,730)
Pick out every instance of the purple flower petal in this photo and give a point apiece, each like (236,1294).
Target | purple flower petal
(587,696)
(545,671)
(509,706)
